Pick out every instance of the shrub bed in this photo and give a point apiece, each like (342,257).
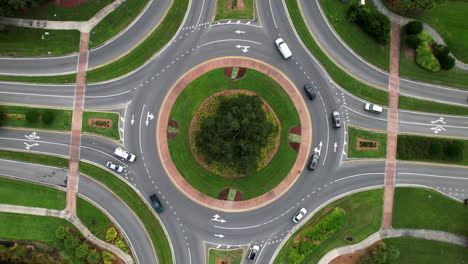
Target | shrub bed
(430,149)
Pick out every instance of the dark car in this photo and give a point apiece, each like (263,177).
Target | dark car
(253,252)
(336,119)
(156,203)
(310,91)
(313,161)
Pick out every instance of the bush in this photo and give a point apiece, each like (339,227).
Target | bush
(107,257)
(48,117)
(441,52)
(424,36)
(372,22)
(32,115)
(413,27)
(381,255)
(454,150)
(93,256)
(82,252)
(436,149)
(111,234)
(413,41)
(447,63)
(426,59)
(120,243)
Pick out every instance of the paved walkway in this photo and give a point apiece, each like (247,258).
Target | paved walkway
(6,208)
(77,118)
(395,18)
(266,198)
(392,128)
(83,26)
(434,235)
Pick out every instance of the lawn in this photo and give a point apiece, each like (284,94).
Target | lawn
(112,132)
(28,194)
(185,107)
(234,255)
(30,227)
(410,70)
(414,250)
(353,152)
(53,12)
(116,21)
(405,102)
(363,218)
(428,209)
(96,221)
(363,44)
(223,13)
(17,41)
(34,158)
(432,149)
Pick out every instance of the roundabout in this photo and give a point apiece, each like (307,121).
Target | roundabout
(182,103)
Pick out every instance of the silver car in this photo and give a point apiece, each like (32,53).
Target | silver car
(298,217)
(114,167)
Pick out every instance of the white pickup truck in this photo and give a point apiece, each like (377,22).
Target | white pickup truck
(124,154)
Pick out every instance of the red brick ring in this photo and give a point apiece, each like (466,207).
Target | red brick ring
(183,185)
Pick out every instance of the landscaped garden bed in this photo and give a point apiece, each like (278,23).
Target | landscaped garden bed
(233,256)
(235,9)
(261,179)
(366,144)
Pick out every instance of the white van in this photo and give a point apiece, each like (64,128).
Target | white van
(373,108)
(283,48)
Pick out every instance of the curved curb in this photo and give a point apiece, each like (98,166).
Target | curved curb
(183,185)
(425,234)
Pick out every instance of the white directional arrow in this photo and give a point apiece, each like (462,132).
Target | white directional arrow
(243,48)
(219,235)
(149,117)
(133,120)
(28,147)
(319,148)
(217,218)
(239,31)
(334,147)
(32,136)
(248,23)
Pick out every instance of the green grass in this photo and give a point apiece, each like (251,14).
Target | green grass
(123,191)
(410,103)
(363,218)
(108,132)
(116,21)
(53,12)
(353,152)
(131,198)
(17,41)
(223,13)
(62,120)
(34,158)
(30,227)
(234,255)
(428,209)
(363,44)
(410,70)
(414,250)
(420,148)
(96,221)
(185,107)
(28,194)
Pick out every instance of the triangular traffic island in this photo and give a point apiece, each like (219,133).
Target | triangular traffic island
(172,129)
(294,138)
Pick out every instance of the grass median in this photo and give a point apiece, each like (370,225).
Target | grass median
(230,256)
(362,143)
(428,209)
(363,217)
(120,188)
(225,12)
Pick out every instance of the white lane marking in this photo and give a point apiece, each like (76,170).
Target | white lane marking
(272,16)
(248,227)
(32,94)
(328,127)
(367,116)
(358,175)
(423,124)
(433,176)
(224,40)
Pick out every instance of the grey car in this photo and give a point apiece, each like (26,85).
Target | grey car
(336,119)
(310,91)
(313,161)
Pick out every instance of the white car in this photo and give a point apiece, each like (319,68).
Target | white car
(373,108)
(114,167)
(283,48)
(253,252)
(298,217)
(120,152)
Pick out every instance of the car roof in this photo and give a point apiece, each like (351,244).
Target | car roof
(336,113)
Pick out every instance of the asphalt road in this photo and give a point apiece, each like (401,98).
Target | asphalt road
(192,227)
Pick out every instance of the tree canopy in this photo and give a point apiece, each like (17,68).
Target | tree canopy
(235,134)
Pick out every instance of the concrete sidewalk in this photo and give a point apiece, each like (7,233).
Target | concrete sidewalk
(6,208)
(395,18)
(83,26)
(434,235)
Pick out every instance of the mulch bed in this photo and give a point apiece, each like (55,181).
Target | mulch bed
(194,123)
(410,53)
(240,74)
(100,122)
(240,5)
(174,124)
(223,261)
(223,195)
(360,140)
(295,130)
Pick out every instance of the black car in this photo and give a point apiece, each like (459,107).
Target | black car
(253,252)
(336,119)
(156,203)
(313,161)
(310,91)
